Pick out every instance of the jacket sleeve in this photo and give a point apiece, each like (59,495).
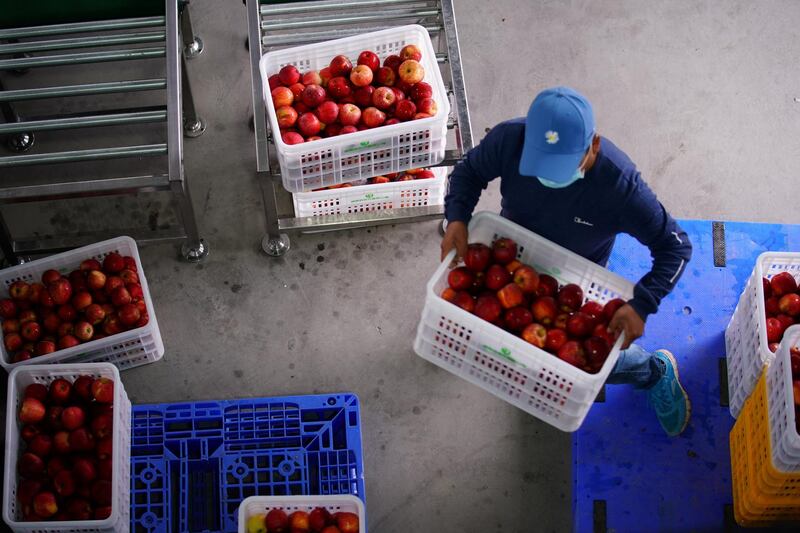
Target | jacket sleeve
(647,220)
(472,175)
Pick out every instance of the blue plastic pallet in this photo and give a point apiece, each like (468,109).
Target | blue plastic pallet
(193,463)
(629,476)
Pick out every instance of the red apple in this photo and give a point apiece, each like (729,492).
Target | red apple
(31,331)
(460,278)
(289,75)
(477,257)
(771,306)
(60,389)
(36,390)
(386,77)
(544,310)
(81,440)
(311,77)
(465,301)
(611,307)
(788,304)
(601,330)
(580,325)
(570,297)
(31,411)
(105,448)
(517,318)
(510,296)
(19,290)
(405,110)
(488,308)
(369,59)
(340,66)
(420,91)
(121,296)
(297,91)
(49,276)
(60,291)
(393,62)
(448,294)
(81,300)
(96,280)
(428,106)
(11,325)
(383,98)
(136,291)
(347,522)
(561,321)
(67,341)
(596,350)
(339,87)
(90,264)
(129,314)
(594,310)
(287,116)
(82,388)
(411,71)
(527,279)
(102,425)
(363,96)
(13,342)
(373,117)
(113,283)
(103,390)
(292,137)
(73,417)
(45,504)
(30,464)
(349,114)
(64,483)
(79,509)
(66,313)
(556,338)
(112,325)
(504,251)
(84,469)
(572,352)
(361,76)
(535,334)
(274,81)
(774,330)
(61,442)
(785,320)
(308,124)
(84,330)
(27,489)
(313,95)
(319,518)
(496,277)
(113,262)
(101,492)
(282,96)
(410,51)
(328,112)
(277,520)
(8,309)
(783,283)
(299,520)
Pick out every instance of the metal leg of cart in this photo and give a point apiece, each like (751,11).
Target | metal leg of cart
(141,43)
(192,44)
(291,24)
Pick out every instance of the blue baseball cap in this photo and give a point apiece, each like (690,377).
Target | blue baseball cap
(558,131)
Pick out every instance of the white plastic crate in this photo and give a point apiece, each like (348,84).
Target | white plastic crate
(374,197)
(21,377)
(368,153)
(746,344)
(780,401)
(502,363)
(333,503)
(128,349)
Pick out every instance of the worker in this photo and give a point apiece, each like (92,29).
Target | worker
(560,179)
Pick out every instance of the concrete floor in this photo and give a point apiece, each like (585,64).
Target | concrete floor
(702,95)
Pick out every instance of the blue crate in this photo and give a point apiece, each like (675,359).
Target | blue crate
(193,463)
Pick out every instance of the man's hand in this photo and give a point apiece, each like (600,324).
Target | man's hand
(455,237)
(628,320)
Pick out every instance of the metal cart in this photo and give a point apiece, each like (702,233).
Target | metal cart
(149,102)
(290,24)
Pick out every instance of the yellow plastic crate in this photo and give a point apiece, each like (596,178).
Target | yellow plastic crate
(762,494)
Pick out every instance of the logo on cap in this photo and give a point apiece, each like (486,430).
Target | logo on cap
(551,136)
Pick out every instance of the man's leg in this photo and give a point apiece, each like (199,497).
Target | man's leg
(656,373)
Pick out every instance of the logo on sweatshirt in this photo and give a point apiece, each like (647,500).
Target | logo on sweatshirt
(551,136)
(579,220)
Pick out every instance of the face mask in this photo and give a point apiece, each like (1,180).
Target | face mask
(556,185)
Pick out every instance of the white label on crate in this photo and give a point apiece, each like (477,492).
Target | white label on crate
(370,197)
(365,145)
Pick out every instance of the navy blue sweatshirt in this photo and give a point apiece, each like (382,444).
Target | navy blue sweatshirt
(584,217)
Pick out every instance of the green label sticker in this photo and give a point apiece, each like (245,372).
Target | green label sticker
(369,197)
(363,145)
(503,353)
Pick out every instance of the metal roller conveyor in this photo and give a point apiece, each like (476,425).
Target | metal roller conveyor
(79,49)
(290,24)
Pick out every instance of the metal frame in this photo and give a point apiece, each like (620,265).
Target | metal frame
(281,25)
(169,39)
